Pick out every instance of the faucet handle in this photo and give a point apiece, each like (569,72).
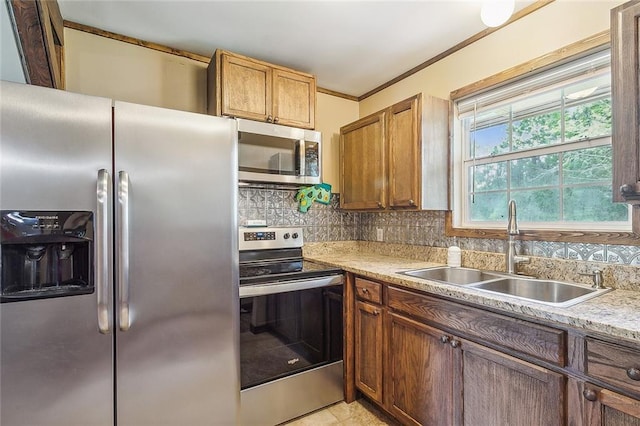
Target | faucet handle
(598,281)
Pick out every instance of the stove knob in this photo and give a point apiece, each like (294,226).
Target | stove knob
(295,235)
(286,236)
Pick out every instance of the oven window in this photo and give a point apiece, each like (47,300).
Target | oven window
(286,333)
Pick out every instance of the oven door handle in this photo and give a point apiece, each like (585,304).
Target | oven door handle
(285,286)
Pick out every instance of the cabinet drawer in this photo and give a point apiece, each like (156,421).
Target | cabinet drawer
(615,364)
(539,341)
(368,290)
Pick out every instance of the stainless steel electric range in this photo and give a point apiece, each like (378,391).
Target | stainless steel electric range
(291,335)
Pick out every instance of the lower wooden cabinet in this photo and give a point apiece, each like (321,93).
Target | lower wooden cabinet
(591,405)
(420,371)
(502,390)
(368,349)
(429,361)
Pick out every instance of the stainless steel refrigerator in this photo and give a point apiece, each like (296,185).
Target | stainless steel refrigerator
(119,263)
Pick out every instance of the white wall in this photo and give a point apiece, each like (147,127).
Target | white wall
(552,27)
(10,60)
(105,67)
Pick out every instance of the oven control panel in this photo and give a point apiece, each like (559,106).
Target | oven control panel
(251,238)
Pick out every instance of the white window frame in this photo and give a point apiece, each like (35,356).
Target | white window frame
(508,94)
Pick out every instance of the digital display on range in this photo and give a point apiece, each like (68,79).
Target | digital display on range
(259,236)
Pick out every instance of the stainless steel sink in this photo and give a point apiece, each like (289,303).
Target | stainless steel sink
(549,292)
(554,293)
(449,275)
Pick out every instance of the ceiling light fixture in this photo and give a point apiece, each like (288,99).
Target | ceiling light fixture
(496,12)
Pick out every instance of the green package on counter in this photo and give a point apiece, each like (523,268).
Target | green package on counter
(306,196)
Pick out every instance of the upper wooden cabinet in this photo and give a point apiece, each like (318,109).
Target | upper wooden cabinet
(240,86)
(625,93)
(40,30)
(397,158)
(363,163)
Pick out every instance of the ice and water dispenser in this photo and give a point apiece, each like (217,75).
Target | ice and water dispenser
(45,254)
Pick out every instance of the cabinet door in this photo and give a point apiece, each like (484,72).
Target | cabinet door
(368,350)
(625,93)
(502,390)
(294,99)
(594,406)
(363,164)
(404,154)
(419,378)
(246,88)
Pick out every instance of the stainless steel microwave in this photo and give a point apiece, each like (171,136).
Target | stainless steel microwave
(278,154)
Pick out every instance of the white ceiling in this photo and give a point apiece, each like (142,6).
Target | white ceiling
(351,46)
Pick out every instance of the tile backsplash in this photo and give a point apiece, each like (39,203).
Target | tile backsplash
(327,223)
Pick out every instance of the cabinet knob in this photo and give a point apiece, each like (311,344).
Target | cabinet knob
(365,290)
(445,339)
(633,373)
(275,120)
(590,394)
(455,343)
(412,203)
(380,205)
(269,119)
(376,312)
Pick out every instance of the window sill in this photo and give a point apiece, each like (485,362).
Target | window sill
(573,236)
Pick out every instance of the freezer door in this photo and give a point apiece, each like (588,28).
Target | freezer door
(55,365)
(176,267)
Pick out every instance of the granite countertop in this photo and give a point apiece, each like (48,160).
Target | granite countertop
(615,313)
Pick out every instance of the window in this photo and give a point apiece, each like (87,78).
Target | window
(544,141)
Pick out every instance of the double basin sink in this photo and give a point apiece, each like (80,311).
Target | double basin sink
(554,293)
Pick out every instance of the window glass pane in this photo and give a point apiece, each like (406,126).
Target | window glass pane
(588,120)
(489,177)
(538,130)
(587,165)
(491,136)
(488,206)
(535,171)
(593,204)
(540,205)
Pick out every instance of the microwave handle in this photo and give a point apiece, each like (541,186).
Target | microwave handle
(302,157)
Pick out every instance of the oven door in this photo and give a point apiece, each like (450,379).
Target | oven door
(289,327)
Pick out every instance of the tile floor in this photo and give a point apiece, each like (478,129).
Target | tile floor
(360,412)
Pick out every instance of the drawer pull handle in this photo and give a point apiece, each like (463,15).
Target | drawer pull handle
(365,290)
(633,373)
(445,339)
(455,343)
(590,394)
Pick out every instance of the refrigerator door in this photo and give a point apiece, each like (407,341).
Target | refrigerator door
(56,367)
(176,267)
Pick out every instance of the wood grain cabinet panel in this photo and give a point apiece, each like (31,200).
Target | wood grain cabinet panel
(368,290)
(363,164)
(239,86)
(397,158)
(615,364)
(502,390)
(419,374)
(625,95)
(594,406)
(368,349)
(294,99)
(536,340)
(40,31)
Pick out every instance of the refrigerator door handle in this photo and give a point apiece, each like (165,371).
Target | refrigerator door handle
(122,247)
(103,268)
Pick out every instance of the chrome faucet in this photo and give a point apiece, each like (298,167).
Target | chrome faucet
(512,231)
